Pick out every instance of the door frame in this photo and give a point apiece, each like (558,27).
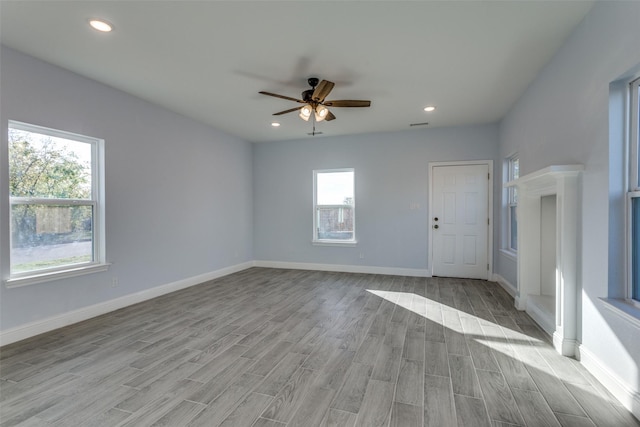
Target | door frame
(489,164)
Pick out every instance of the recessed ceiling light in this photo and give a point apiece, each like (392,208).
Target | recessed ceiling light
(101,25)
(275,124)
(429,108)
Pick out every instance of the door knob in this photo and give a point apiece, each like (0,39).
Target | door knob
(435,219)
(436,226)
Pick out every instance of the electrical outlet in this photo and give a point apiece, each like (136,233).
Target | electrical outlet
(114,282)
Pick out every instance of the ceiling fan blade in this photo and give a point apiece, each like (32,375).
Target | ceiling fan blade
(347,103)
(330,117)
(322,90)
(287,111)
(282,96)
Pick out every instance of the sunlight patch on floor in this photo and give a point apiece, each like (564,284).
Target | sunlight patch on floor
(495,336)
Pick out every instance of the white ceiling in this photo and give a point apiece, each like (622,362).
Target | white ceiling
(208,59)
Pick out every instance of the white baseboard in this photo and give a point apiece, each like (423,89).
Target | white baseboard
(54,322)
(392,271)
(511,289)
(543,318)
(629,397)
(564,346)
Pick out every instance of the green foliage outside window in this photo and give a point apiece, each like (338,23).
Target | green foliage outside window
(42,167)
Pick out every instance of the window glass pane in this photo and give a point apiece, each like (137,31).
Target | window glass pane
(48,167)
(334,207)
(334,188)
(514,173)
(512,202)
(636,129)
(335,223)
(513,223)
(46,236)
(635,248)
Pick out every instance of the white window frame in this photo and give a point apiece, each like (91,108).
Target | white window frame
(332,242)
(511,199)
(634,179)
(96,202)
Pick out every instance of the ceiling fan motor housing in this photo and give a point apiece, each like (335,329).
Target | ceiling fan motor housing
(307,95)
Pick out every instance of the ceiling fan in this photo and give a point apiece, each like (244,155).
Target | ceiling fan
(314,102)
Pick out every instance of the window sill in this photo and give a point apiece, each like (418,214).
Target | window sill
(350,243)
(57,275)
(624,309)
(507,253)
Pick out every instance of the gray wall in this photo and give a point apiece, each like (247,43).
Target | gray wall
(391,173)
(564,118)
(178,193)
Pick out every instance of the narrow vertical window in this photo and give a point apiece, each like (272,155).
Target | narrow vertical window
(55,197)
(334,205)
(634,190)
(635,248)
(512,204)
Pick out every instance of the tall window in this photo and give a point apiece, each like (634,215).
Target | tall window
(334,219)
(513,166)
(634,190)
(55,197)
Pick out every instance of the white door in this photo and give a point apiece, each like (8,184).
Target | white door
(460,221)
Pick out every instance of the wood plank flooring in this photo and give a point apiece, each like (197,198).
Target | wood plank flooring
(285,348)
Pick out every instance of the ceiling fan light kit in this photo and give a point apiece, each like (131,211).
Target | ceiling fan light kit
(321,113)
(314,101)
(305,112)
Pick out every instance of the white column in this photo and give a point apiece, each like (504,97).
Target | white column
(528,247)
(564,338)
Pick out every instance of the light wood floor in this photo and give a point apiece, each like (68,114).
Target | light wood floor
(275,348)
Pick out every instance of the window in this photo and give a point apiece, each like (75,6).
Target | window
(333,218)
(634,191)
(513,166)
(56,203)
